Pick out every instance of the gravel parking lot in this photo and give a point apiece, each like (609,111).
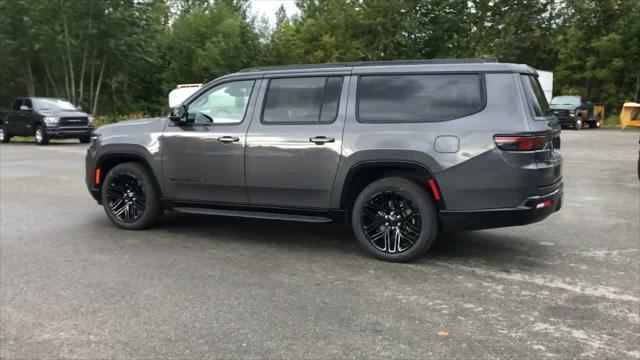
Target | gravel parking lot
(72,285)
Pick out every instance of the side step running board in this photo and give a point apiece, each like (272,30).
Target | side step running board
(253,214)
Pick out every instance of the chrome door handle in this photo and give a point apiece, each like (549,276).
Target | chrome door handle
(228,139)
(319,140)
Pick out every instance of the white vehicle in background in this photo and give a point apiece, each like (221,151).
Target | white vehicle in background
(181,92)
(546,81)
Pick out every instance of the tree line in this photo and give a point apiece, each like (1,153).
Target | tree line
(123,56)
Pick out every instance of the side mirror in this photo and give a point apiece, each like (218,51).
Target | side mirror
(24,108)
(178,114)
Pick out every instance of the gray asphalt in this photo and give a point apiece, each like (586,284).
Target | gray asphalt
(74,286)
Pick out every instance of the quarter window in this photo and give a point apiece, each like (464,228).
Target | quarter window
(418,98)
(302,100)
(535,96)
(222,104)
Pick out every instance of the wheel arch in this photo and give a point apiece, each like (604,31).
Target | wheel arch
(364,173)
(109,160)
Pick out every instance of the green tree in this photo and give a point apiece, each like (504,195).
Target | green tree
(210,42)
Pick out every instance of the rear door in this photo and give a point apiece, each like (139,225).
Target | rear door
(30,118)
(294,142)
(16,119)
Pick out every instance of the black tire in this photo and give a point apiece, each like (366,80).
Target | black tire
(410,192)
(5,137)
(84,139)
(148,195)
(40,135)
(577,125)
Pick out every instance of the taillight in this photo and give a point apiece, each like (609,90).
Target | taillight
(522,142)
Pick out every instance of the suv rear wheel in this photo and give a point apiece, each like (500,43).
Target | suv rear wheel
(395,219)
(130,197)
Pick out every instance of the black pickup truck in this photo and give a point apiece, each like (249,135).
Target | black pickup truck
(575,112)
(44,119)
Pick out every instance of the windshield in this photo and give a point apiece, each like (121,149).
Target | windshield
(535,96)
(566,100)
(52,104)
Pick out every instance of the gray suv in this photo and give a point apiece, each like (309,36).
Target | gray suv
(401,150)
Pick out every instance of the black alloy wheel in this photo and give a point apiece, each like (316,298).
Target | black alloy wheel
(395,219)
(130,196)
(391,222)
(125,197)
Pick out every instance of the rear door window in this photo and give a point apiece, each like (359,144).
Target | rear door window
(302,100)
(419,98)
(534,94)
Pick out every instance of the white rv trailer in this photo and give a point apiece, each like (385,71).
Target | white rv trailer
(181,93)
(546,81)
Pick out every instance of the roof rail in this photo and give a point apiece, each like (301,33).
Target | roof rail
(369,63)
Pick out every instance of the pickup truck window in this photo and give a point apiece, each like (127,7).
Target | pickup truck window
(566,100)
(53,104)
(16,105)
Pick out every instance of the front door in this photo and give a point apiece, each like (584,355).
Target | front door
(203,159)
(294,143)
(21,118)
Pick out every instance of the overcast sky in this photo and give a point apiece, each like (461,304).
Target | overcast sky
(268,8)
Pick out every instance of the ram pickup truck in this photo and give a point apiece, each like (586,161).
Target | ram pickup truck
(575,112)
(45,119)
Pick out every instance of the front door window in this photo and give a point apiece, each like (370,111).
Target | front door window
(223,104)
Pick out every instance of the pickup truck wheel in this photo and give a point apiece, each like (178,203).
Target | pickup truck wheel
(130,197)
(395,219)
(577,125)
(4,136)
(40,136)
(85,139)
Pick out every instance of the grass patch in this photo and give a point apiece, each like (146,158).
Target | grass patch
(612,120)
(22,139)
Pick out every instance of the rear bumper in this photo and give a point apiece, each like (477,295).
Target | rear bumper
(531,211)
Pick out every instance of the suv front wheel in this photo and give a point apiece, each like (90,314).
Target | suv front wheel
(395,219)
(130,197)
